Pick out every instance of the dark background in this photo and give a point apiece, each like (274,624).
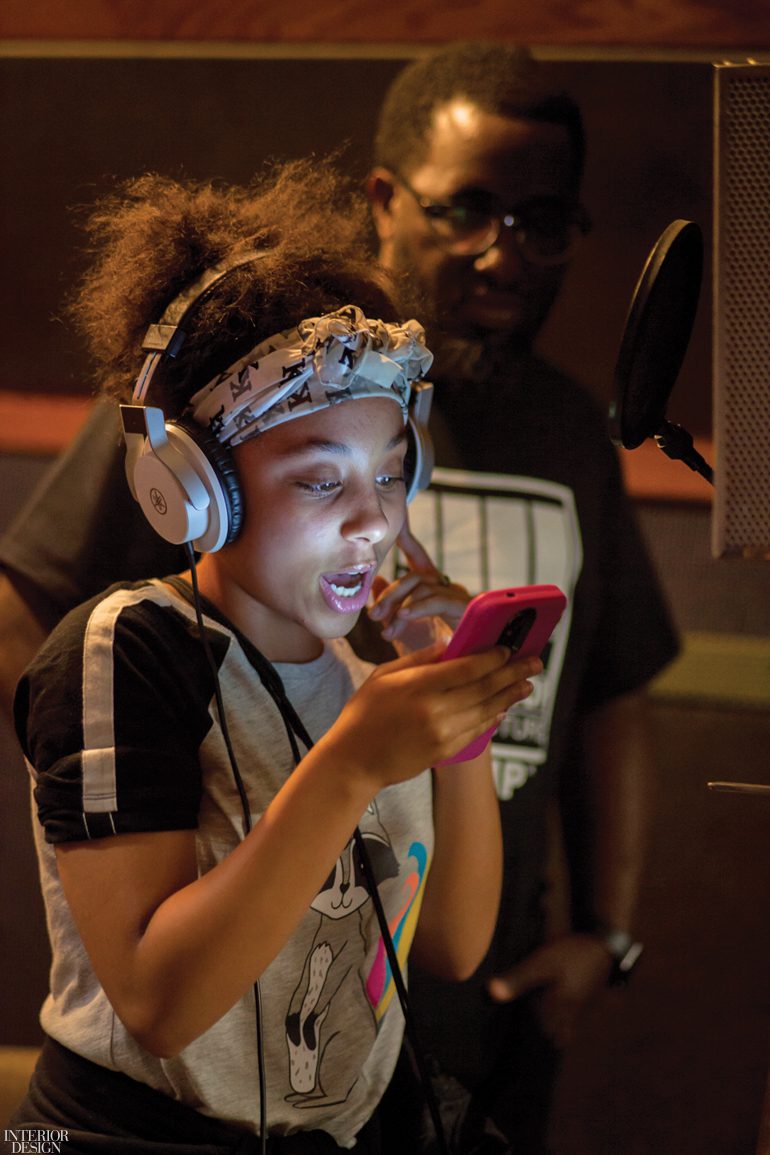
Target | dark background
(677,1064)
(71,126)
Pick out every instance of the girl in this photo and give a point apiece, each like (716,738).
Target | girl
(218,969)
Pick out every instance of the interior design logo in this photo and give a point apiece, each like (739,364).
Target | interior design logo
(38,1139)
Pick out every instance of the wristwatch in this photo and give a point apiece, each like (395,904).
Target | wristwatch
(623,951)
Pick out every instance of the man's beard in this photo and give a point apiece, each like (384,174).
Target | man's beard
(464,361)
(459,358)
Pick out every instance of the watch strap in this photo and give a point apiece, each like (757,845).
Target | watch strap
(622,949)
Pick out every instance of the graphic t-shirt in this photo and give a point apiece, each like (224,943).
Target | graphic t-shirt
(530,492)
(117,719)
(490,531)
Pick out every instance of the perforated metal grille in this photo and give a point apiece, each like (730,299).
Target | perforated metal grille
(741,523)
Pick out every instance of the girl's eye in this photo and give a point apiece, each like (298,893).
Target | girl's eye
(389,481)
(320,488)
(386,483)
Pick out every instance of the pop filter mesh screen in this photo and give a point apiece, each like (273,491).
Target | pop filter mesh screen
(658,331)
(741,518)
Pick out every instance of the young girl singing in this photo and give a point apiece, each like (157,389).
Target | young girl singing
(218,967)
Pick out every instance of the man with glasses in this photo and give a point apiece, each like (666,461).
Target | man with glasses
(547,228)
(475,196)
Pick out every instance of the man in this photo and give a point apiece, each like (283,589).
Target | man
(475,197)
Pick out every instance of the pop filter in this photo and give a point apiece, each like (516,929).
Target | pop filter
(655,340)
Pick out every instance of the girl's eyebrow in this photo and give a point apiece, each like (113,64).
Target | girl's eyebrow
(339,448)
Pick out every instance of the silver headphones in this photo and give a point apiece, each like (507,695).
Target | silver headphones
(182,477)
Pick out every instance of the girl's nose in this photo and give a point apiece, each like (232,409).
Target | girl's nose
(366,521)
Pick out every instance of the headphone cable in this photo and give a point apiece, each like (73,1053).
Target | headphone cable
(246,827)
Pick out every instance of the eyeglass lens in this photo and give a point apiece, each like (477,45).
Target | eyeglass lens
(545,233)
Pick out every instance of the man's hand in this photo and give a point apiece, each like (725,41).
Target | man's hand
(569,972)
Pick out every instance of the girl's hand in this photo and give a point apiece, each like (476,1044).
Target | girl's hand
(415,711)
(420,608)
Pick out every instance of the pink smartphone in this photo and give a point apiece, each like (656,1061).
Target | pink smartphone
(522,618)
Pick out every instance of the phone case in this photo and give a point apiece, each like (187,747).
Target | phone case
(522,617)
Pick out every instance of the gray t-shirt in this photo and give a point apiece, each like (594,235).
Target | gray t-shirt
(116,718)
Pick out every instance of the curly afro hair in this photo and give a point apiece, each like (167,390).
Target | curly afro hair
(154,236)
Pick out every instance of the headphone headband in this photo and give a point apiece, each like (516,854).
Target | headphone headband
(166,336)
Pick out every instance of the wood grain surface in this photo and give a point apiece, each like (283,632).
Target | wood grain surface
(726,24)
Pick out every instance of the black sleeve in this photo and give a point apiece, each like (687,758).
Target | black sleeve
(111,716)
(81,530)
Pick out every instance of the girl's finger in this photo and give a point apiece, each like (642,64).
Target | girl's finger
(379,585)
(391,596)
(415,553)
(430,600)
(477,719)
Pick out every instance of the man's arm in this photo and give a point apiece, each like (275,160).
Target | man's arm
(78,532)
(607,804)
(619,784)
(21,636)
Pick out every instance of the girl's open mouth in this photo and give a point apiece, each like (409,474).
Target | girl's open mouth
(347,591)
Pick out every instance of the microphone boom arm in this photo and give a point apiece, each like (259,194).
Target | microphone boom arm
(677,444)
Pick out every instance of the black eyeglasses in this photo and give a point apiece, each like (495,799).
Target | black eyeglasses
(547,229)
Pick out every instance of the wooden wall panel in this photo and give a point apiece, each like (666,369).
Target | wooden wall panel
(741,24)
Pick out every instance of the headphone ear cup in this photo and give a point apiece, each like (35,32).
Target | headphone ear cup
(183,479)
(221,480)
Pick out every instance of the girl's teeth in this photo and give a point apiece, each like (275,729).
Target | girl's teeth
(346,591)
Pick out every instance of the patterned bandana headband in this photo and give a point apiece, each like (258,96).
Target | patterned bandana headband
(324,361)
